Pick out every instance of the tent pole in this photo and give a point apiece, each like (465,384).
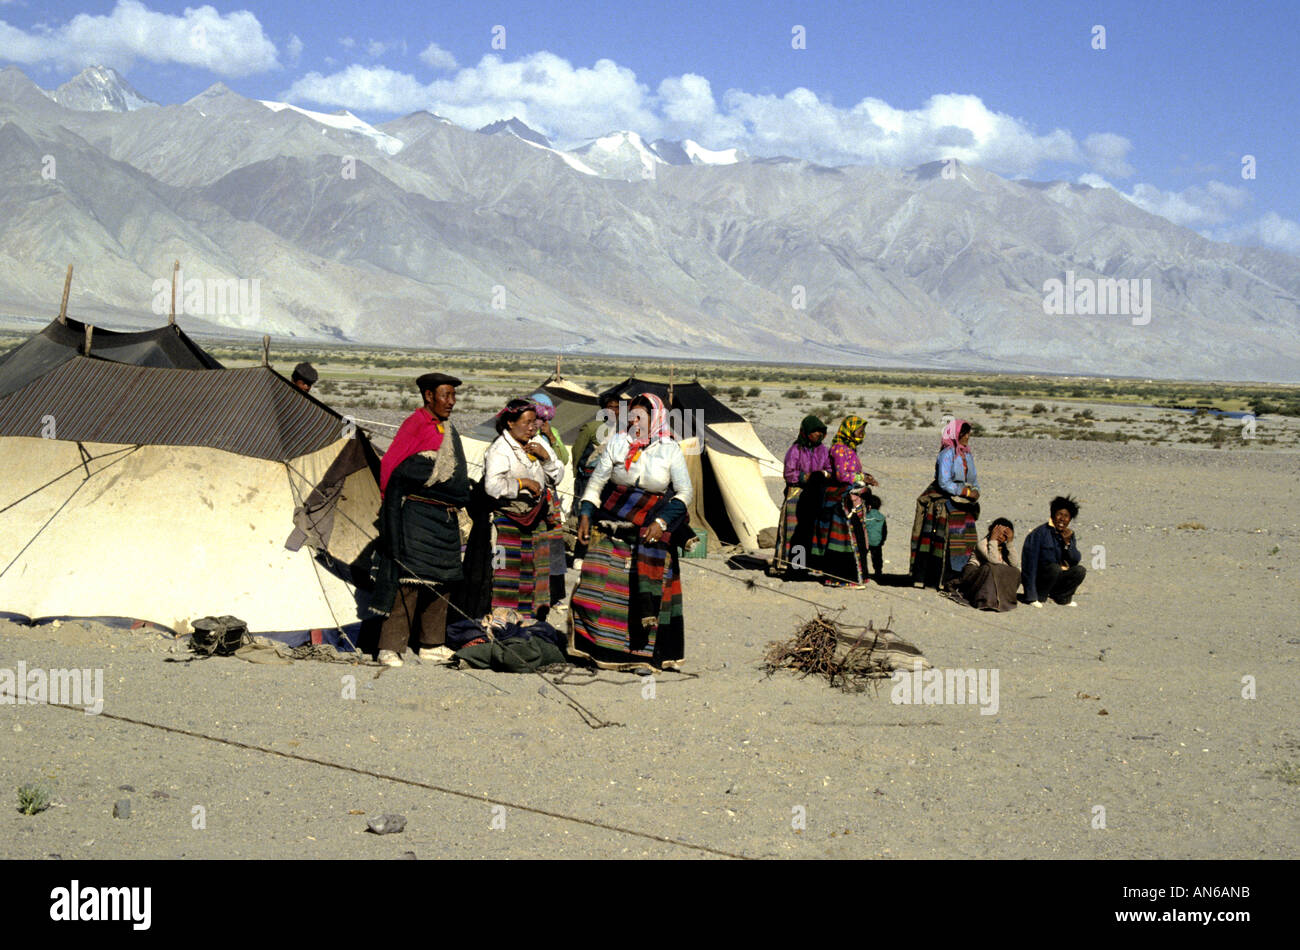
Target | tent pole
(672,373)
(557,367)
(266,349)
(67,287)
(90,332)
(171,317)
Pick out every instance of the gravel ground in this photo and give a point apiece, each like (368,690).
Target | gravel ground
(1133,702)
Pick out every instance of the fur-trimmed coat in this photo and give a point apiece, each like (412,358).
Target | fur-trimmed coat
(419,534)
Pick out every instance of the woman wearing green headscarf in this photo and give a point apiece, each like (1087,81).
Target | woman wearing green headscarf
(806,466)
(839,543)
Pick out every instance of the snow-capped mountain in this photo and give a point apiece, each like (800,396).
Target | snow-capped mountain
(99,89)
(906,265)
(512,126)
(620,155)
(346,121)
(689,152)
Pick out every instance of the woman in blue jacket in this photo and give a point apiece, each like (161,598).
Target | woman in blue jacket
(943,532)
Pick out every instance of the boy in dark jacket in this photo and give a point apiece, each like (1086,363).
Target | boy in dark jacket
(1049,559)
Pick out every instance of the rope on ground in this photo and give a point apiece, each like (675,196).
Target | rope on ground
(590,718)
(387,777)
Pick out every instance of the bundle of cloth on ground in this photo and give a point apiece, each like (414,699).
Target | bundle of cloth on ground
(506,642)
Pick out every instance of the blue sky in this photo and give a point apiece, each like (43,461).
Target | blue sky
(1164,113)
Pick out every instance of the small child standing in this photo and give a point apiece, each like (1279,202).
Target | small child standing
(873,522)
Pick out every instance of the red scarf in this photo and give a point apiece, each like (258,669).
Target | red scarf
(419,433)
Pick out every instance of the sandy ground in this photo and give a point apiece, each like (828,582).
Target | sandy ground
(1133,702)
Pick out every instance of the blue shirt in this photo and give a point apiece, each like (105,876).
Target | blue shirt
(1043,546)
(953,472)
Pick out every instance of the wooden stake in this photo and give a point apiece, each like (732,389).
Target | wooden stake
(67,287)
(266,350)
(672,373)
(557,366)
(171,317)
(90,332)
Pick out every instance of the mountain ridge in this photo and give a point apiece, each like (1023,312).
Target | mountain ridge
(466,239)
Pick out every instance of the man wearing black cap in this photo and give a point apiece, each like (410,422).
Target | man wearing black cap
(305,376)
(425,482)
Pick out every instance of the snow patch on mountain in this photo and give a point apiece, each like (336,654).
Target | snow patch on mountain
(705,156)
(99,89)
(514,126)
(622,155)
(344,121)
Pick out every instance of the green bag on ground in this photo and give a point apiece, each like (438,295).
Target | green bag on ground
(511,656)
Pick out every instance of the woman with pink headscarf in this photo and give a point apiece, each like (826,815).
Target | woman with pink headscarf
(943,532)
(626,612)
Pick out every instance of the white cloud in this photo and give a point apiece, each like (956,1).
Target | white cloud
(1210,209)
(232,44)
(367,88)
(548,93)
(542,89)
(293,50)
(1106,152)
(437,57)
(572,104)
(347,42)
(1194,207)
(1271,230)
(1095,181)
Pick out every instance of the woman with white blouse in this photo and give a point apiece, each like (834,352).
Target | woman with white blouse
(517,472)
(627,609)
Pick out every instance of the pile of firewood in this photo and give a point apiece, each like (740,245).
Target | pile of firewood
(849,661)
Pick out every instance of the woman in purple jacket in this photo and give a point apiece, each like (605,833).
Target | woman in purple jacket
(806,466)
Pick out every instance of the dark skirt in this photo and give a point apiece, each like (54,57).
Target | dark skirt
(943,537)
(839,544)
(800,513)
(989,586)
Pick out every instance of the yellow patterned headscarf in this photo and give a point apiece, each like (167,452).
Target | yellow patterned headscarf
(851,433)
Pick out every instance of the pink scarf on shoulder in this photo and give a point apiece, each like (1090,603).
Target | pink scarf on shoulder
(419,433)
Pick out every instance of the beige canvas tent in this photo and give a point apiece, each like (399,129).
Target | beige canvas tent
(166,494)
(727,460)
(732,497)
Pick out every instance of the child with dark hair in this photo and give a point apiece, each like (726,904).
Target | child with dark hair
(877,529)
(991,578)
(1050,558)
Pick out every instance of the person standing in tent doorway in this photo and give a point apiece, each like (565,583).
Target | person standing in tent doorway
(592,438)
(627,609)
(519,473)
(424,481)
(305,376)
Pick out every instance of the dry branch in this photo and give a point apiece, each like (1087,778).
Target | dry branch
(822,648)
